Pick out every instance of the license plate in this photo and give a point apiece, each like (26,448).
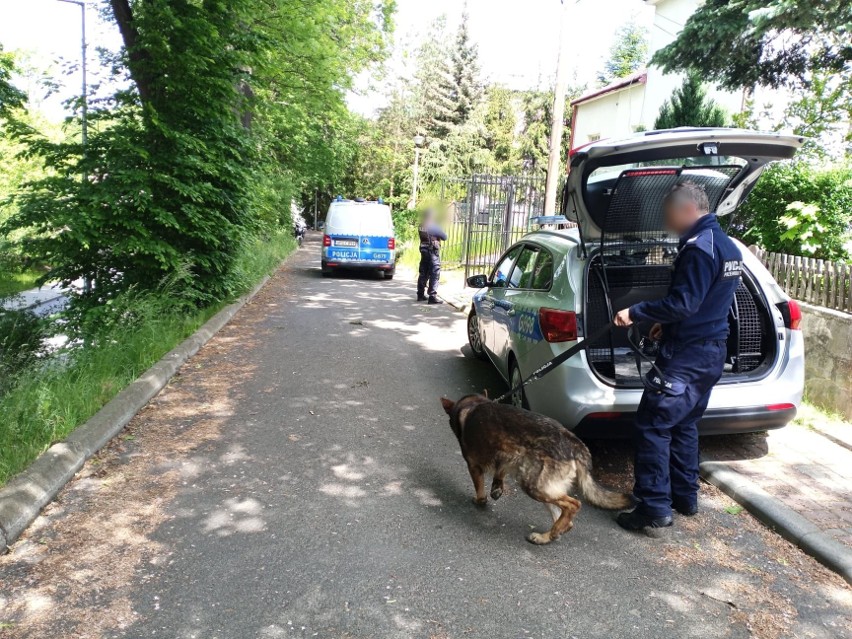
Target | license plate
(346,243)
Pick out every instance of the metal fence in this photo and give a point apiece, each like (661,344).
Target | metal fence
(488,213)
(808,279)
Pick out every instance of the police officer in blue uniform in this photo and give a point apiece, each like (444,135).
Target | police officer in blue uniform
(431,237)
(691,323)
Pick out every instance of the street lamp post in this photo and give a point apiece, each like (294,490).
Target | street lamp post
(85,92)
(419,140)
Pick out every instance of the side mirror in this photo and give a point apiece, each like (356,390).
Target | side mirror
(477,281)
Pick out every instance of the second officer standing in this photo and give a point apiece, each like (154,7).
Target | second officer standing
(431,237)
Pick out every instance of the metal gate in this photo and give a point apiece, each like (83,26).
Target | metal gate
(486,214)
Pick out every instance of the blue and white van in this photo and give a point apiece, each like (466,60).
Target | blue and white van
(359,235)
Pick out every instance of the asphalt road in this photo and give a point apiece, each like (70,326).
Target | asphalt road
(299,479)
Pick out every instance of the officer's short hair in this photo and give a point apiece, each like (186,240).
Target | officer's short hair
(687,191)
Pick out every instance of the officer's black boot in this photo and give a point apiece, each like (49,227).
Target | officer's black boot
(636,521)
(684,507)
(421,297)
(434,300)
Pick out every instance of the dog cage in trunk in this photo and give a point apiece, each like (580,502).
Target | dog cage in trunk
(634,263)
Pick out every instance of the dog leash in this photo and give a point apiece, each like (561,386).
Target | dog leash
(637,348)
(545,368)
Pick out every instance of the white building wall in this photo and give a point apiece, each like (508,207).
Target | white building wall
(669,18)
(612,115)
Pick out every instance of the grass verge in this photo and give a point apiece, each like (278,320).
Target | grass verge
(13,283)
(50,401)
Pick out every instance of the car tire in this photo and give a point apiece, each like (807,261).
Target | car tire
(474,338)
(327,272)
(519,398)
(389,275)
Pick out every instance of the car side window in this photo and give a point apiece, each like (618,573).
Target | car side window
(522,273)
(542,274)
(500,274)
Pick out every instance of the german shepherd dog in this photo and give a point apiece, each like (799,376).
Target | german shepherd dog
(544,458)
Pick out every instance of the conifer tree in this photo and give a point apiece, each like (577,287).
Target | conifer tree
(690,106)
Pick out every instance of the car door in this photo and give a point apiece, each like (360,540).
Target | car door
(497,283)
(509,309)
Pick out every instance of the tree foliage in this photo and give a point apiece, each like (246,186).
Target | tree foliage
(10,96)
(235,106)
(689,105)
(754,42)
(628,54)
(799,209)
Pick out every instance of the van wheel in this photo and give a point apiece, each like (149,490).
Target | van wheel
(326,272)
(518,399)
(388,275)
(474,337)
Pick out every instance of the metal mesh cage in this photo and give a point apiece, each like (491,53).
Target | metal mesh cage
(747,332)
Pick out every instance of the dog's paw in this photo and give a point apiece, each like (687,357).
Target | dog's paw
(481,503)
(496,493)
(539,539)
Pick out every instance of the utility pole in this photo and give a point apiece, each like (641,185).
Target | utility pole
(554,163)
(419,141)
(84,107)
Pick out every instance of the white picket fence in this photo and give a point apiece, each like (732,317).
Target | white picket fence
(808,279)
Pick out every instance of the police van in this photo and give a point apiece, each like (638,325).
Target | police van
(359,235)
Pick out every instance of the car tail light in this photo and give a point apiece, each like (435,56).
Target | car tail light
(391,243)
(780,406)
(326,240)
(606,415)
(791,313)
(558,326)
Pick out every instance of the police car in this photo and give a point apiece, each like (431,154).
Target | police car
(553,287)
(359,235)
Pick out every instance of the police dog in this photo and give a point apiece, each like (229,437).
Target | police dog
(544,458)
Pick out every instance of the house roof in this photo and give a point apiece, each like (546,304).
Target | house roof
(640,77)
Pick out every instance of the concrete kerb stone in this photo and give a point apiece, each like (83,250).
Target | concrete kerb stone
(787,522)
(23,497)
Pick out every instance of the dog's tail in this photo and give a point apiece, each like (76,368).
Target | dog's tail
(599,496)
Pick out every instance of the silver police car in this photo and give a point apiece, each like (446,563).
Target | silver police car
(553,287)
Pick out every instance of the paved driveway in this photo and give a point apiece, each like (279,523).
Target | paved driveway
(299,479)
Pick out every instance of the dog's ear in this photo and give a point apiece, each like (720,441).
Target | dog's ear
(448,405)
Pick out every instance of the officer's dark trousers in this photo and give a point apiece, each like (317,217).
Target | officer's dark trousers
(430,272)
(666,437)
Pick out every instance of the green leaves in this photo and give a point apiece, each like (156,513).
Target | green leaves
(690,106)
(799,209)
(627,55)
(738,45)
(238,107)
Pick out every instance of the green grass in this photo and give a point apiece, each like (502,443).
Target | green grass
(12,283)
(47,404)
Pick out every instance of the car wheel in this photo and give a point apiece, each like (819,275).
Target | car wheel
(474,337)
(389,275)
(326,272)
(518,399)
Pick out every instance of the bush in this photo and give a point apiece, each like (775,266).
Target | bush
(799,209)
(21,343)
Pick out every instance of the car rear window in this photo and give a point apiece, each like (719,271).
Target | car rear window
(542,274)
(523,271)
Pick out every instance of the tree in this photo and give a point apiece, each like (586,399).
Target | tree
(234,108)
(500,123)
(690,106)
(467,90)
(755,42)
(10,96)
(627,55)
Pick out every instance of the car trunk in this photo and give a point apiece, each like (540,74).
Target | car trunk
(615,192)
(752,344)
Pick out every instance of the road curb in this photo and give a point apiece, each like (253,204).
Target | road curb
(23,497)
(784,520)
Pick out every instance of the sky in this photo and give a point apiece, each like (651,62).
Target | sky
(518,39)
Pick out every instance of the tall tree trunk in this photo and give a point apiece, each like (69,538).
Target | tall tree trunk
(137,57)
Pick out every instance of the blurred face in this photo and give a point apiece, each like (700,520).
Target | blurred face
(681,215)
